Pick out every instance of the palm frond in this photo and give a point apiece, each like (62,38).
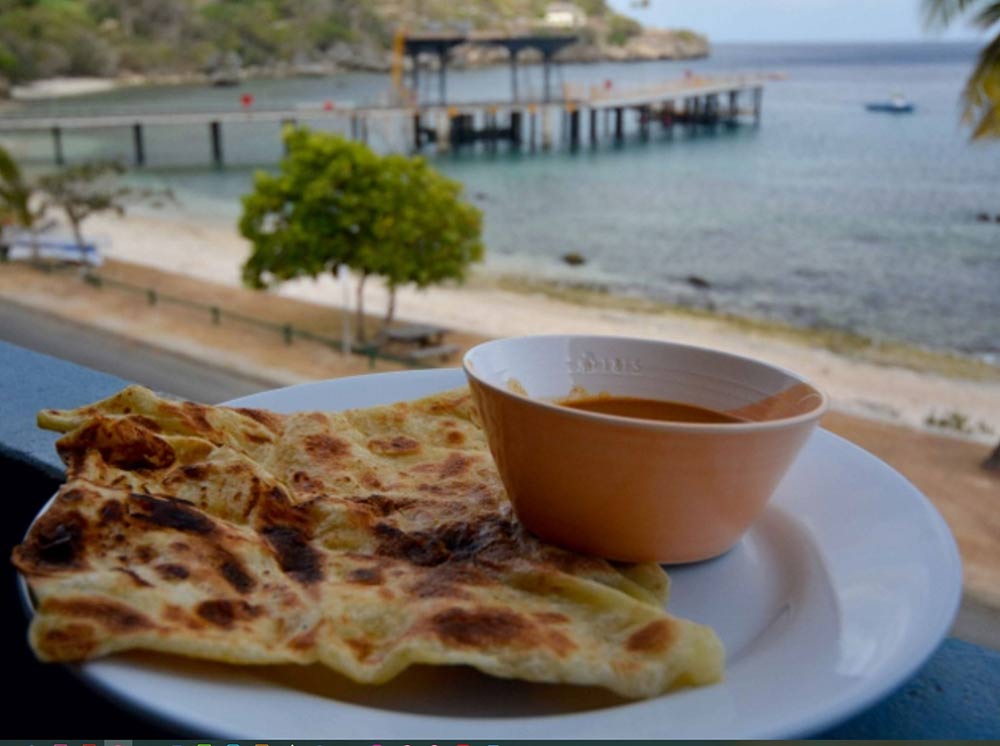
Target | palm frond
(982,94)
(9,171)
(940,13)
(988,16)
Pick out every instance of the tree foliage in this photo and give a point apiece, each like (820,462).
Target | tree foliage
(77,191)
(19,206)
(85,189)
(621,29)
(981,96)
(336,203)
(45,38)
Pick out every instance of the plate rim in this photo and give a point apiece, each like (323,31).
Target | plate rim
(870,691)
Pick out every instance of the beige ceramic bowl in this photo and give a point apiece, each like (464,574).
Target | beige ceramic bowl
(629,489)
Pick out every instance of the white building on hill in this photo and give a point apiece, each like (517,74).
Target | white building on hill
(564,15)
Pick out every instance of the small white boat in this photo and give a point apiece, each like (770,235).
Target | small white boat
(898,104)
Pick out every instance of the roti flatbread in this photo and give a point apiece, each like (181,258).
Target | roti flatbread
(367,540)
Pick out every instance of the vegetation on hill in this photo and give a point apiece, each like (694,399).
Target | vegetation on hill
(45,38)
(105,38)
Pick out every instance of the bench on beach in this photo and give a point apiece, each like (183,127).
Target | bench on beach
(418,342)
(424,335)
(21,247)
(443,351)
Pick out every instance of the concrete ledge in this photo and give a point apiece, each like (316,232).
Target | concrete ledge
(956,695)
(30,382)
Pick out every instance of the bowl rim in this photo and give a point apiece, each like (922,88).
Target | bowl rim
(655,425)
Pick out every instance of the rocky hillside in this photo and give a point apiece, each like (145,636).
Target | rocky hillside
(180,39)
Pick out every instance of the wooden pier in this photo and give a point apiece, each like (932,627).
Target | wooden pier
(597,114)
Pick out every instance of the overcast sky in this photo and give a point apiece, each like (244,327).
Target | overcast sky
(793,20)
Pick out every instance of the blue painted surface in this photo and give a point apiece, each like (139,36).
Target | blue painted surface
(30,381)
(956,695)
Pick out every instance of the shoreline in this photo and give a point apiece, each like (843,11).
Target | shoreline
(62,87)
(73,86)
(893,387)
(886,352)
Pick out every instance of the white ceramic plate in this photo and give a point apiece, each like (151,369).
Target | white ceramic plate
(835,597)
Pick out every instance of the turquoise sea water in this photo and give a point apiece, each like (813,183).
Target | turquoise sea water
(824,216)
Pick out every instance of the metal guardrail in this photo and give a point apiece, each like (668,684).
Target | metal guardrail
(217,314)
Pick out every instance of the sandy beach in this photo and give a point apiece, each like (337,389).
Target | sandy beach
(61,87)
(857,386)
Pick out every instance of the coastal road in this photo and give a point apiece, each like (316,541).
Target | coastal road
(133,361)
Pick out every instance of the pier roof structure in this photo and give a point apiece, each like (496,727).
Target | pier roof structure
(441,44)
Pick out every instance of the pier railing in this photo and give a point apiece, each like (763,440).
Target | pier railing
(690,85)
(690,101)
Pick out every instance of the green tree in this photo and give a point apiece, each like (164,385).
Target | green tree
(335,203)
(86,189)
(425,234)
(621,29)
(19,206)
(981,96)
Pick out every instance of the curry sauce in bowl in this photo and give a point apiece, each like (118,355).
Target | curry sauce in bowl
(648,409)
(638,450)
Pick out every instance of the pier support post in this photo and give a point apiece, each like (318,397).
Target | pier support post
(644,114)
(418,139)
(593,128)
(215,131)
(712,109)
(758,98)
(515,128)
(733,106)
(463,129)
(532,127)
(574,128)
(443,130)
(546,127)
(667,114)
(57,145)
(490,129)
(140,145)
(619,124)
